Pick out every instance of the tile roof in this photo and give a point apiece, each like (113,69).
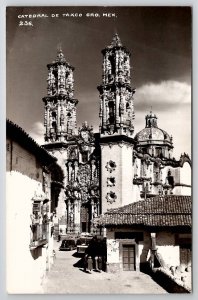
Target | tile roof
(168,211)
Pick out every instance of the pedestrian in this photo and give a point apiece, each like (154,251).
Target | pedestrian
(85,262)
(90,254)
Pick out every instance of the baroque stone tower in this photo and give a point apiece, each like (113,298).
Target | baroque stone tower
(60,106)
(116,94)
(116,126)
(77,152)
(60,122)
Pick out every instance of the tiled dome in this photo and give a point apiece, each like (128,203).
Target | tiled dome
(152,133)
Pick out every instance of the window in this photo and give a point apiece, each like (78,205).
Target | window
(54,115)
(111,112)
(170,178)
(54,126)
(138,236)
(39,224)
(159,152)
(112,61)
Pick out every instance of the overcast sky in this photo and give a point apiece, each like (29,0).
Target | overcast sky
(158,38)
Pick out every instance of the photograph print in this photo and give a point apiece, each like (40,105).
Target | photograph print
(98,150)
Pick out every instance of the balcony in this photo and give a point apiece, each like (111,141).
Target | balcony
(39,235)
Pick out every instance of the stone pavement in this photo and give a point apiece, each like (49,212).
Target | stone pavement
(67,277)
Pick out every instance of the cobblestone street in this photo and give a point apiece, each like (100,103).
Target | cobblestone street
(67,277)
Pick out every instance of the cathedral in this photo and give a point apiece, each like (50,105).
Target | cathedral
(114,166)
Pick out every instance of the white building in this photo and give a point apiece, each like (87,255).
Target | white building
(32,177)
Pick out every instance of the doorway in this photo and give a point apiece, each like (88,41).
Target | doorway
(85,218)
(128,257)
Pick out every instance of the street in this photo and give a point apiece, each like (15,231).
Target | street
(67,277)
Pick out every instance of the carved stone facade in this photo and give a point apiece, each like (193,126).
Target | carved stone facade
(113,167)
(60,106)
(116,94)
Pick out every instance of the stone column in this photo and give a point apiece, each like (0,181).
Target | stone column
(92,209)
(48,121)
(116,65)
(104,109)
(117,106)
(69,170)
(76,217)
(92,169)
(98,208)
(100,113)
(106,112)
(75,170)
(58,117)
(68,215)
(103,70)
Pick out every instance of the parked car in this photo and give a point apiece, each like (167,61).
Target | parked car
(83,242)
(85,234)
(69,244)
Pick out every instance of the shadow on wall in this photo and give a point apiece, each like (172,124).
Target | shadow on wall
(144,260)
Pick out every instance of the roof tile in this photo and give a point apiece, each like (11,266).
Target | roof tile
(174,210)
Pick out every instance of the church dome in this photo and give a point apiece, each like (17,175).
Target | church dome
(151,132)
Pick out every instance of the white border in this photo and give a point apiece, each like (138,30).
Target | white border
(194,4)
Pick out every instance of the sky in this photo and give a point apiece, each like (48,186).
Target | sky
(159,39)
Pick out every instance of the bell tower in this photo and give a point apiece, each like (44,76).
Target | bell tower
(116,94)
(60,106)
(116,127)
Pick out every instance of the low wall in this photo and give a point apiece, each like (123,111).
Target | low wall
(168,282)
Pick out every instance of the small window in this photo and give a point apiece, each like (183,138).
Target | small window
(53,129)
(111,112)
(54,114)
(138,236)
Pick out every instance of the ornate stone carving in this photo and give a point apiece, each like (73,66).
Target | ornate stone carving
(72,153)
(110,166)
(111,197)
(86,134)
(84,174)
(117,91)
(111,181)
(63,124)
